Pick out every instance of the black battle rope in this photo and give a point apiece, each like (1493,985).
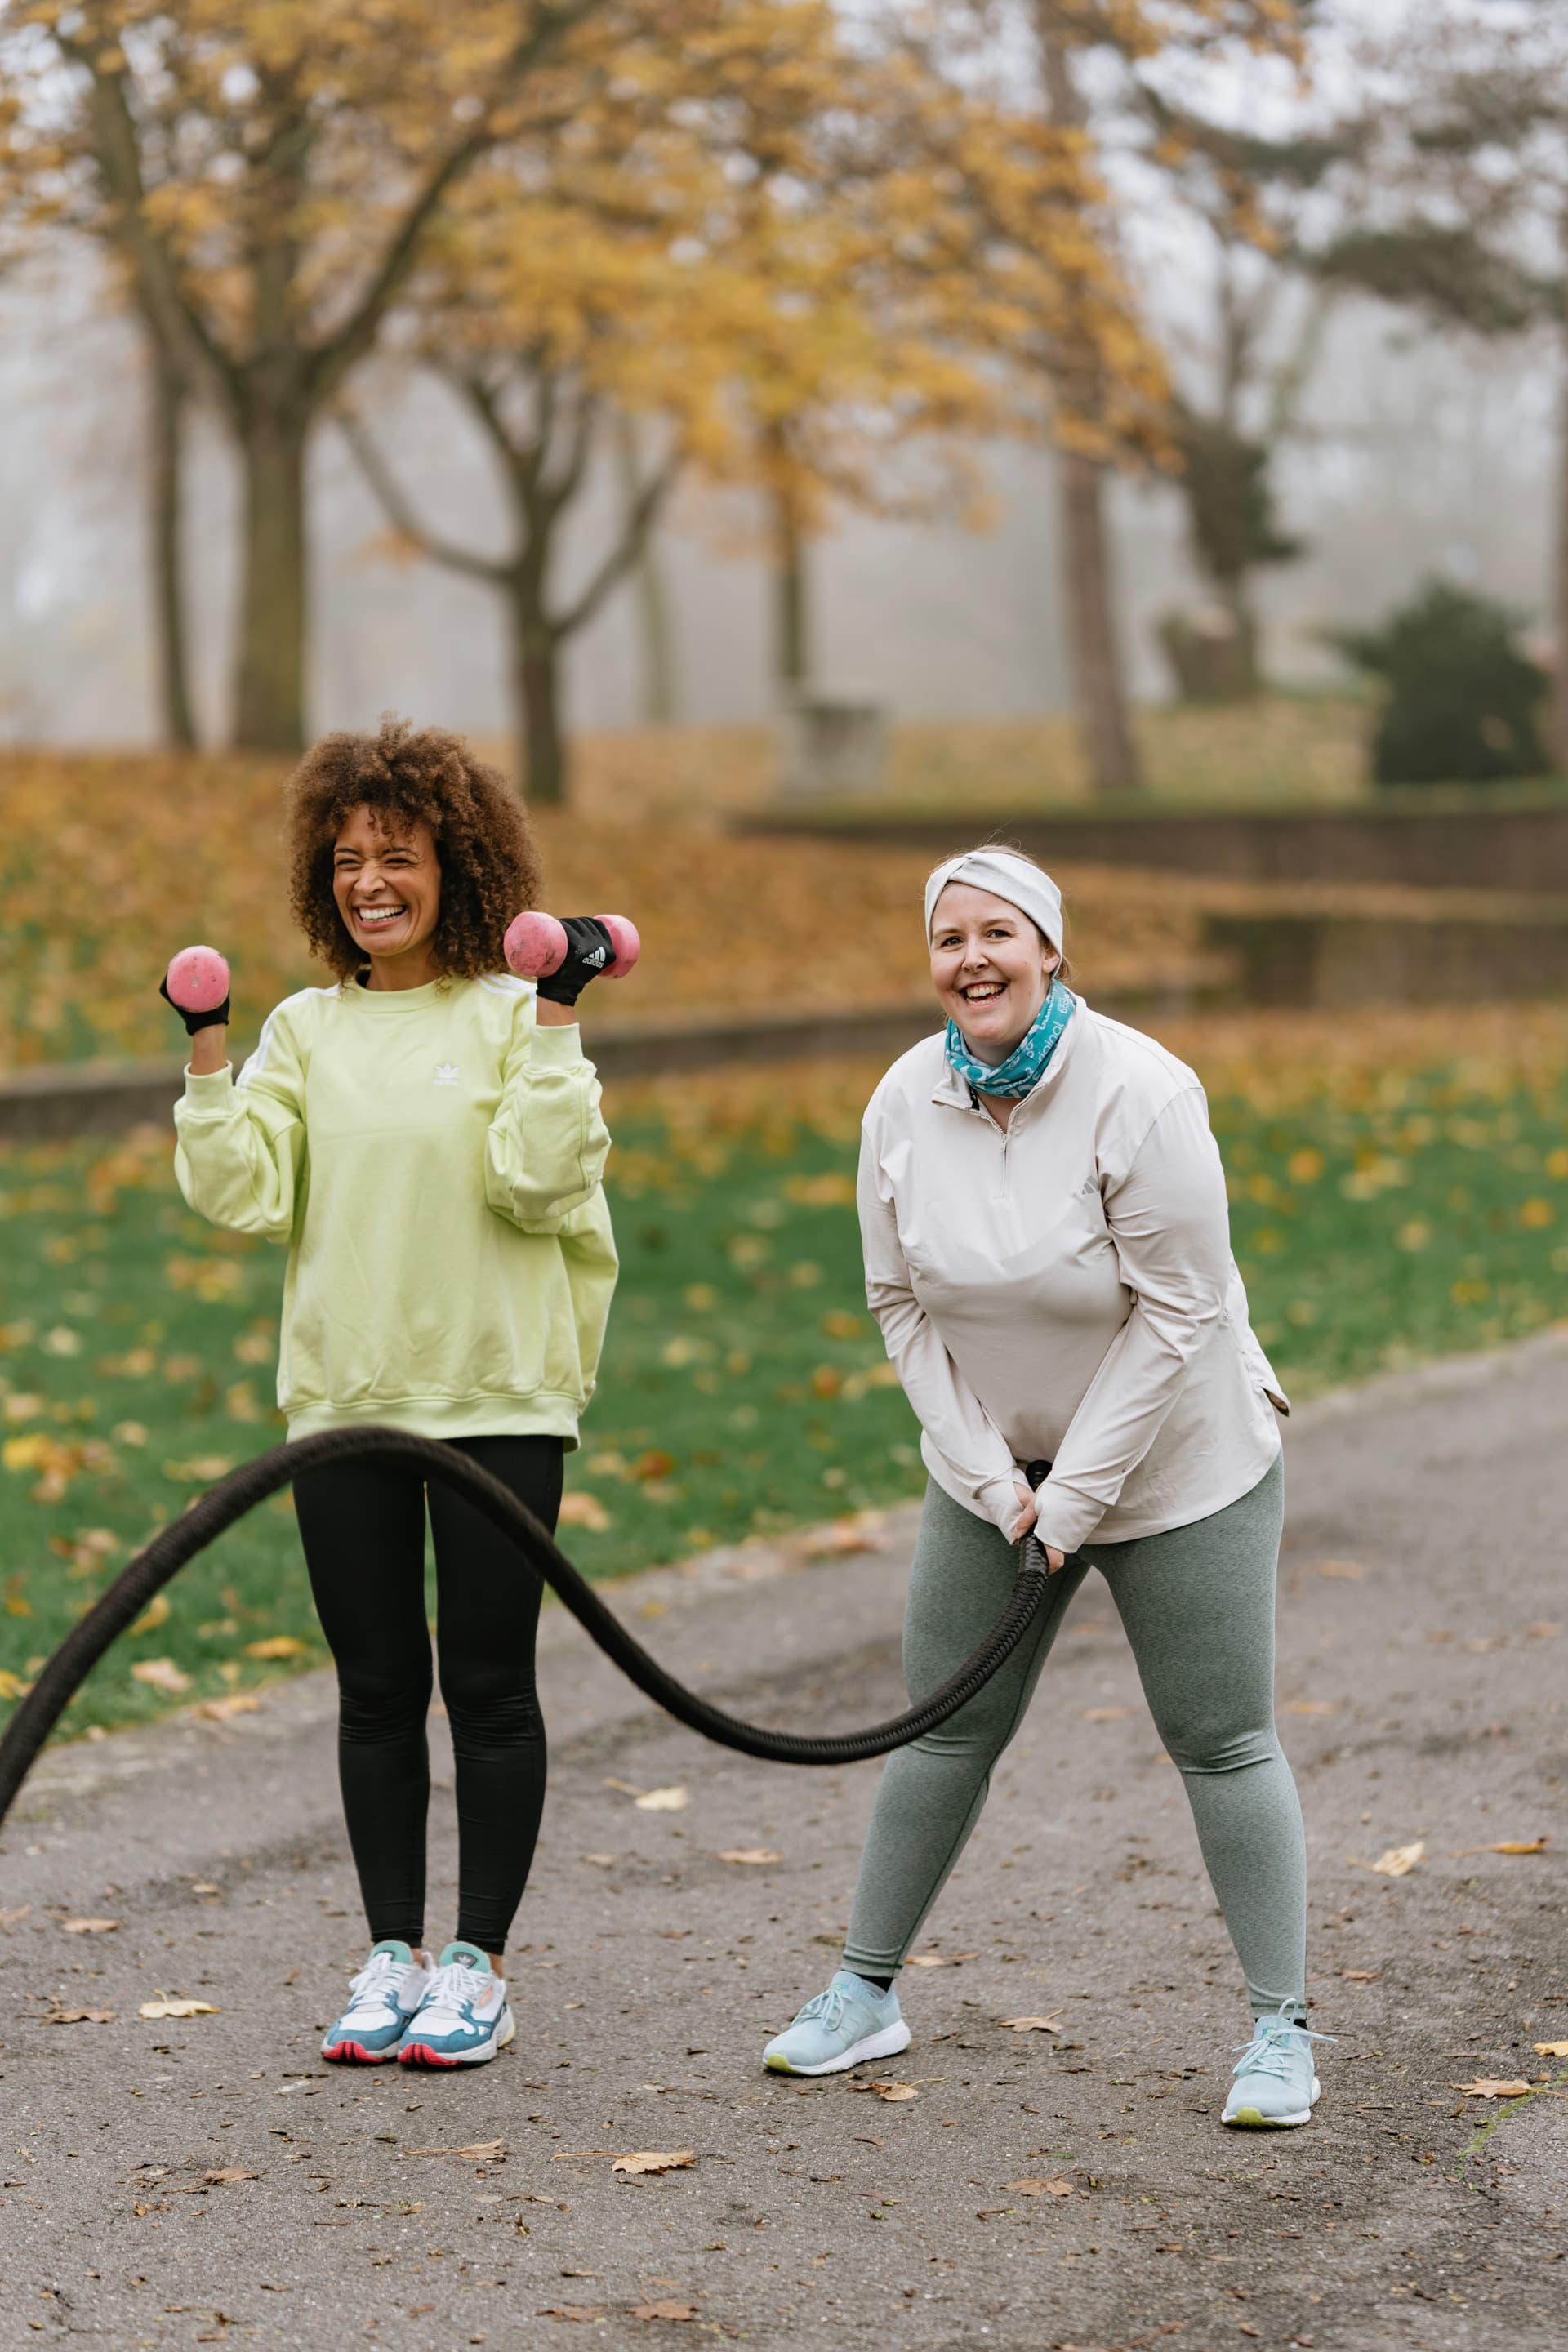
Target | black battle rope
(212,1513)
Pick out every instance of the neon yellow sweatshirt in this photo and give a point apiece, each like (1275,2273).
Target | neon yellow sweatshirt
(433,1160)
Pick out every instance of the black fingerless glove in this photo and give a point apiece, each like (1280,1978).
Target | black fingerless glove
(215,1019)
(589,952)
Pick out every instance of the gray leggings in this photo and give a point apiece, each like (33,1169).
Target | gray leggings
(1197,1605)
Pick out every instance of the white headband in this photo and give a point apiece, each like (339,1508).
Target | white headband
(1007,876)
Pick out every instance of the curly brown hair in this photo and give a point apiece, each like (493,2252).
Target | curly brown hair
(489,864)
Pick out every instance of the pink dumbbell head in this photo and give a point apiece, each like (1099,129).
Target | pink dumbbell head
(535,945)
(198,979)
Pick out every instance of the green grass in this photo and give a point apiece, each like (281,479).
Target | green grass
(744,1386)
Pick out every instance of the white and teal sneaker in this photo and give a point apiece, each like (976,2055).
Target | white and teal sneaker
(382,1998)
(464,2018)
(851,2022)
(1275,2081)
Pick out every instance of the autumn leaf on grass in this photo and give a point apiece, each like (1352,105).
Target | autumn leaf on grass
(749,1853)
(82,2017)
(156,1614)
(584,1510)
(220,1710)
(201,1470)
(12,1685)
(653,2159)
(161,1674)
(938,1959)
(90,1927)
(1489,2087)
(1398,1861)
(164,2004)
(1041,2187)
(277,1645)
(861,1531)
(665,2309)
(1030,2024)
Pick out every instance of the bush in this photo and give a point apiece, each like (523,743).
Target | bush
(1462,696)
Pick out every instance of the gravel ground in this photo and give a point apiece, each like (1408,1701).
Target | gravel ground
(1025,2196)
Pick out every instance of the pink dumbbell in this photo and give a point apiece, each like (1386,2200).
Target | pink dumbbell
(535,945)
(197,979)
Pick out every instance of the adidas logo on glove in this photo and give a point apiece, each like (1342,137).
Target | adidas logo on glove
(596,956)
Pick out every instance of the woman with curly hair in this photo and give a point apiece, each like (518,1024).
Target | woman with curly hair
(425,1135)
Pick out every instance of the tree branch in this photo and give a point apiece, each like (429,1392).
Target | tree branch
(332,360)
(621,558)
(494,571)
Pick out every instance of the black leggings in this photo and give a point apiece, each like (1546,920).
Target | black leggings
(364,1533)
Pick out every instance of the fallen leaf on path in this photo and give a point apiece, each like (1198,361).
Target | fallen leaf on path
(82,2017)
(219,1710)
(1105,1714)
(483,2151)
(1361,1975)
(653,2159)
(1542,1631)
(893,2092)
(9,1918)
(1507,1845)
(90,1927)
(1030,2024)
(1041,2187)
(666,2309)
(277,1645)
(161,1674)
(1397,1862)
(156,1614)
(1550,2049)
(749,1853)
(570,2310)
(1489,2087)
(165,2007)
(601,1861)
(1350,1569)
(663,1801)
(937,1960)
(230,2172)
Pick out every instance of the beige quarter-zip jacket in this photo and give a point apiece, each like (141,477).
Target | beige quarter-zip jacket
(1064,1290)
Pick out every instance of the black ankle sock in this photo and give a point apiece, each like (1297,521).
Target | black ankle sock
(883,1984)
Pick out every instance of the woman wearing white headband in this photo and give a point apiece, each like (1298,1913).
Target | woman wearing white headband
(1047,1253)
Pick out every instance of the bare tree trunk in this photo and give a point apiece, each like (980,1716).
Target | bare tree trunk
(1098,689)
(652,593)
(792,619)
(1099,698)
(269,689)
(167,406)
(1558,708)
(542,777)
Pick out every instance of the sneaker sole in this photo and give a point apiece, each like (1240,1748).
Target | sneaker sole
(355,2054)
(420,2054)
(1254,2119)
(885,2045)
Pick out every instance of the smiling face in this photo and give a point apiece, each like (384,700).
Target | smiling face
(990,967)
(387,886)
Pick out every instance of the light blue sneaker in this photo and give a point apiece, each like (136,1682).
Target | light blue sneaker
(849,2023)
(1275,2081)
(382,1998)
(464,2018)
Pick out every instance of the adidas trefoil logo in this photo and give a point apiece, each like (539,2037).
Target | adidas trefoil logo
(446,1073)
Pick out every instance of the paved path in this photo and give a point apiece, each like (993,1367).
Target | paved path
(1422,1687)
